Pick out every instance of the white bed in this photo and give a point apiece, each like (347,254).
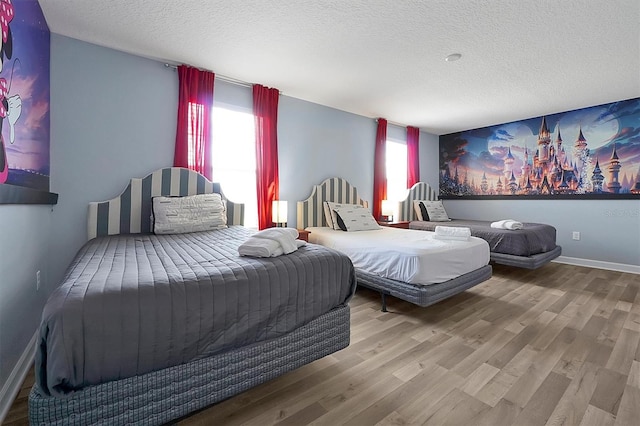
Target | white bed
(395,262)
(410,256)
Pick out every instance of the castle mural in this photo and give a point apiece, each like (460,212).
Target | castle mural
(592,152)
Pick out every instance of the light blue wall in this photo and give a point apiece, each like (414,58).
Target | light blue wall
(24,249)
(113,117)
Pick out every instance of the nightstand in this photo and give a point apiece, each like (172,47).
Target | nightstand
(303,235)
(401,224)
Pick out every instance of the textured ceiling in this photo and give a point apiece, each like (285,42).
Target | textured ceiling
(520,58)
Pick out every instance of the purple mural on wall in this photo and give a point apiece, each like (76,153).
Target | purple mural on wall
(24,95)
(590,153)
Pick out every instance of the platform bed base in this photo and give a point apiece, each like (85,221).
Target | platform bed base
(422,295)
(162,396)
(529,262)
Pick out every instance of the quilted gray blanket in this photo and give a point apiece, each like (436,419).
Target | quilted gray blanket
(131,304)
(534,238)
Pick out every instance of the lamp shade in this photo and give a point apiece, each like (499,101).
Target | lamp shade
(279,211)
(388,208)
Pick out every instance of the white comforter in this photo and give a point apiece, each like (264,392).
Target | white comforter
(405,255)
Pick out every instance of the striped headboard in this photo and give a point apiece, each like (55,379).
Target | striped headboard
(337,190)
(130,212)
(419,191)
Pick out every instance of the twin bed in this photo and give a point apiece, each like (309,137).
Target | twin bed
(148,328)
(530,247)
(410,265)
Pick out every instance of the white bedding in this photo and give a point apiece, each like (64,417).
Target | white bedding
(406,255)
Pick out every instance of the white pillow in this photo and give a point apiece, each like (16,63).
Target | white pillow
(436,211)
(351,219)
(332,209)
(193,213)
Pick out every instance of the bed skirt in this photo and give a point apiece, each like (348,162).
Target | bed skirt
(161,396)
(423,295)
(530,262)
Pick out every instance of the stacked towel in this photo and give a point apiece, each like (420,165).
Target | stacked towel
(452,233)
(271,242)
(507,224)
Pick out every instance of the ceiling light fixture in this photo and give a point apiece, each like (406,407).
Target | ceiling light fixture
(453,57)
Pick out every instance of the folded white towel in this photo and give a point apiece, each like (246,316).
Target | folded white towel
(450,238)
(271,242)
(453,231)
(507,224)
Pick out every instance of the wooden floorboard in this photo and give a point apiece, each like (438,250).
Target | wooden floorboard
(555,346)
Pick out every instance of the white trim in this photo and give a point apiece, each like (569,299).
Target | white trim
(16,378)
(598,264)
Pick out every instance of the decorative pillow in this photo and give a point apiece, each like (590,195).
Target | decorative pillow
(327,214)
(355,219)
(436,211)
(193,213)
(332,208)
(423,210)
(420,210)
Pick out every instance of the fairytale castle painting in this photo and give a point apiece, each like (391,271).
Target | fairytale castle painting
(592,152)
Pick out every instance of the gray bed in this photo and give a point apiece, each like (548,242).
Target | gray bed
(148,328)
(530,247)
(310,213)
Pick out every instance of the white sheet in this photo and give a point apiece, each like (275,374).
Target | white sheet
(404,254)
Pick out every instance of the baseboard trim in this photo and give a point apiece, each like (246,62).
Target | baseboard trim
(16,378)
(598,264)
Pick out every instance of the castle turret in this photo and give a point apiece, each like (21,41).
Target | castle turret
(544,139)
(597,178)
(508,165)
(635,189)
(614,170)
(484,186)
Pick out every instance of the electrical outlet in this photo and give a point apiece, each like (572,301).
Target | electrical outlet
(576,235)
(37,280)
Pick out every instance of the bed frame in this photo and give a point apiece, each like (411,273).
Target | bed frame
(311,213)
(162,396)
(424,191)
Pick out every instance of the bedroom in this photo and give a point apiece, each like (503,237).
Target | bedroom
(106,103)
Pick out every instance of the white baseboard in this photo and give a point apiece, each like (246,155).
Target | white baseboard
(16,378)
(598,264)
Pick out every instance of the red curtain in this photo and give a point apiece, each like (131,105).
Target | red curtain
(265,111)
(380,169)
(413,156)
(193,134)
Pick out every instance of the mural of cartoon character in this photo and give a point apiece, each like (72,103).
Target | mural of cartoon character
(10,107)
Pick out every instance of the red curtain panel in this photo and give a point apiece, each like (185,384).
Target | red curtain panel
(193,134)
(413,156)
(265,111)
(380,169)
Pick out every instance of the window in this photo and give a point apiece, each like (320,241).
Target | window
(234,159)
(396,170)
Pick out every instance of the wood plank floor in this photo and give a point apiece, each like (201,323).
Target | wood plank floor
(556,346)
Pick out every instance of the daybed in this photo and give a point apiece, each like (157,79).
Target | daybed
(148,328)
(405,264)
(530,247)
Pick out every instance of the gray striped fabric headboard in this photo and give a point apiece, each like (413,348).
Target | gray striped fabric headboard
(419,191)
(130,212)
(337,190)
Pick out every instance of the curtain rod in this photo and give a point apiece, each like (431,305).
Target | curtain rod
(393,123)
(220,77)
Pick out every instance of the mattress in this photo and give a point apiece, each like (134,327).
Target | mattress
(404,255)
(534,238)
(132,304)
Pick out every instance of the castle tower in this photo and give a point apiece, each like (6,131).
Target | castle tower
(526,167)
(559,148)
(544,139)
(508,165)
(499,187)
(484,186)
(513,186)
(614,170)
(597,178)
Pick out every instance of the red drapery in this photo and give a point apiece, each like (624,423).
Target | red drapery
(380,169)
(413,156)
(193,134)
(265,111)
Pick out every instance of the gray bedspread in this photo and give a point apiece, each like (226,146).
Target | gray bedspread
(131,304)
(534,238)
